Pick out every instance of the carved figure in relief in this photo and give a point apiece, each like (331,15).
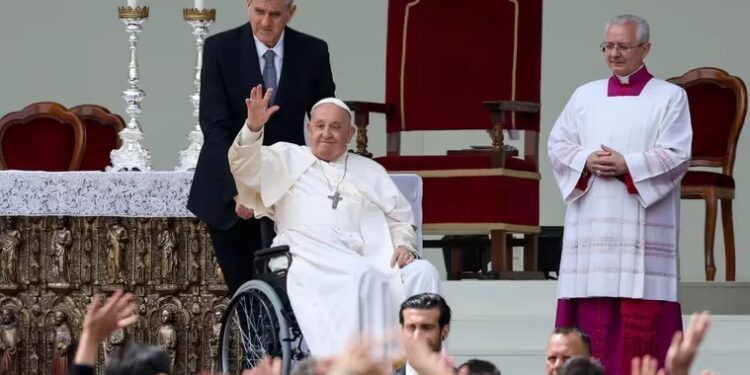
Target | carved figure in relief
(10,239)
(115,339)
(117,237)
(61,339)
(218,275)
(167,245)
(9,340)
(61,242)
(213,341)
(140,328)
(167,338)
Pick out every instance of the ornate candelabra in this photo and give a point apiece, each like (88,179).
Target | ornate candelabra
(132,156)
(200,20)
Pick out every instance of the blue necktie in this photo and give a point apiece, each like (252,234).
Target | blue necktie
(269,73)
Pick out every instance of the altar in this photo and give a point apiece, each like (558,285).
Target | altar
(66,236)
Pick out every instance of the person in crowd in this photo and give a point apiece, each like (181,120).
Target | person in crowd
(618,151)
(564,344)
(582,366)
(425,317)
(295,68)
(681,353)
(100,321)
(478,367)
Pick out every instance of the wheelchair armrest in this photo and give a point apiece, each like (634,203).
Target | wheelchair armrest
(263,256)
(271,251)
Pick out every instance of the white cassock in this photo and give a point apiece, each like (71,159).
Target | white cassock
(340,283)
(618,244)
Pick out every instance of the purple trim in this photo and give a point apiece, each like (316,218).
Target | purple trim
(638,81)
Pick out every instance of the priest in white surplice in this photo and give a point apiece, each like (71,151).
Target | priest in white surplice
(619,150)
(348,227)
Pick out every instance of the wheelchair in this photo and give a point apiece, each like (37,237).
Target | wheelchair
(259,320)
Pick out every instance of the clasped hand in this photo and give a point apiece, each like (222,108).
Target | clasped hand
(242,211)
(606,163)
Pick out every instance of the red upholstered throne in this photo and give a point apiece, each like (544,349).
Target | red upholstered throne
(102,135)
(43,136)
(718,104)
(473,66)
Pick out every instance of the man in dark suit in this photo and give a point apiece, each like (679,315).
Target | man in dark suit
(297,68)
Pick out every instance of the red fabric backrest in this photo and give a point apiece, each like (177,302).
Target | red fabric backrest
(444,58)
(712,111)
(101,139)
(43,144)
(43,136)
(718,104)
(102,135)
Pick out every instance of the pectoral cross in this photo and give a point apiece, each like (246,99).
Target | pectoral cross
(335,198)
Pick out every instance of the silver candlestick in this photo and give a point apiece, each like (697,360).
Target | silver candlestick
(200,20)
(132,156)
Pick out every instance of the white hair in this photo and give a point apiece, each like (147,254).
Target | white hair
(642,29)
(335,101)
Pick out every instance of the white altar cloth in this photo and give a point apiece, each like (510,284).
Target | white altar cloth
(125,194)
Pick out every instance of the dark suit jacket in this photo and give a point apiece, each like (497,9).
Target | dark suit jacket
(230,69)
(400,371)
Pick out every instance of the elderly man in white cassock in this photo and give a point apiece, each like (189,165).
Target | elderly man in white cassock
(348,227)
(619,150)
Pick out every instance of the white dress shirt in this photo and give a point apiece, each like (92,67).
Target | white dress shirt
(410,370)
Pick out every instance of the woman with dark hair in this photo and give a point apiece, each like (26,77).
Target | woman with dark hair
(138,358)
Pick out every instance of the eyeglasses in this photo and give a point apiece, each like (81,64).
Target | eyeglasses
(609,47)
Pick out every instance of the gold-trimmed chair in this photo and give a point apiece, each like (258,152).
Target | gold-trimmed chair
(432,84)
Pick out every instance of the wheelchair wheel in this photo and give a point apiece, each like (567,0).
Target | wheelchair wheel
(254,327)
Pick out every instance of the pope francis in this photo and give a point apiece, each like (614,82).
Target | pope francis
(349,229)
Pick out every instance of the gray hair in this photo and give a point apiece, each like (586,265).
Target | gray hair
(642,30)
(288,2)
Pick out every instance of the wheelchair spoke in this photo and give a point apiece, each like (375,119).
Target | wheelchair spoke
(255,327)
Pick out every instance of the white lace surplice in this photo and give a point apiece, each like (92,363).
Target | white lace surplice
(618,244)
